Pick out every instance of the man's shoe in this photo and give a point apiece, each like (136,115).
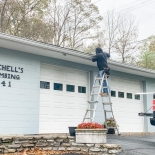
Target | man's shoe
(104,94)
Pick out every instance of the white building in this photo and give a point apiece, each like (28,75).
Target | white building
(45,88)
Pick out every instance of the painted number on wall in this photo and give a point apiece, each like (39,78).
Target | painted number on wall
(6,84)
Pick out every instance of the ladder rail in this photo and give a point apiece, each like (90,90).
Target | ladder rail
(94,100)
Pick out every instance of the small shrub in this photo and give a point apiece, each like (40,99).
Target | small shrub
(89,125)
(110,123)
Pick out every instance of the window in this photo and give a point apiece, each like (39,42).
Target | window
(137,97)
(113,93)
(129,95)
(44,85)
(81,89)
(70,88)
(58,86)
(121,94)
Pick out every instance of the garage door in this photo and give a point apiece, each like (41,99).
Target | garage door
(63,98)
(127,105)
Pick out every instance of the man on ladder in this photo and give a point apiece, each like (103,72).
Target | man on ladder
(101,58)
(100,89)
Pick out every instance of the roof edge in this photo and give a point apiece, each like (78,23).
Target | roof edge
(69,51)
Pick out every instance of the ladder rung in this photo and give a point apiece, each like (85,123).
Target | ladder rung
(98,79)
(107,110)
(96,86)
(105,96)
(107,103)
(92,101)
(94,94)
(91,110)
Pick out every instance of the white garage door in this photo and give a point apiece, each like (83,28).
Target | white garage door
(127,105)
(63,98)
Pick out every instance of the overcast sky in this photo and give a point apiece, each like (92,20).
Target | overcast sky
(142,10)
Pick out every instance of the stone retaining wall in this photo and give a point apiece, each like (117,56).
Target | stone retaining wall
(49,144)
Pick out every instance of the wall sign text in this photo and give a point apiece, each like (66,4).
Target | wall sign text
(4,84)
(12,71)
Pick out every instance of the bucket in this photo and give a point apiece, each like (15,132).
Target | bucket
(111,131)
(72,131)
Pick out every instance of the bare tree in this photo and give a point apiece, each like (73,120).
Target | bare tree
(111,23)
(66,23)
(72,22)
(126,39)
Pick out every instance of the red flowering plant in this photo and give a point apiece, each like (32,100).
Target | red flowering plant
(89,125)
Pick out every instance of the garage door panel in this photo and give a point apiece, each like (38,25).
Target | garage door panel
(82,78)
(45,73)
(56,126)
(44,110)
(69,112)
(126,110)
(71,76)
(57,98)
(57,73)
(64,108)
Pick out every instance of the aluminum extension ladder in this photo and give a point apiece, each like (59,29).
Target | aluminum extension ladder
(94,99)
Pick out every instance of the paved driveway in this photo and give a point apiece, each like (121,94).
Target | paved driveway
(134,145)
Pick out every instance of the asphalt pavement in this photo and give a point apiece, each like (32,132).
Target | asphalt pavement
(134,145)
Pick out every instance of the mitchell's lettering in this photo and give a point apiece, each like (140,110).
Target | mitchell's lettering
(11,68)
(9,76)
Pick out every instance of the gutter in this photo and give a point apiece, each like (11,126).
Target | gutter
(68,51)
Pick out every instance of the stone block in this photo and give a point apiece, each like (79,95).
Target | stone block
(2,147)
(110,146)
(93,149)
(33,141)
(56,144)
(97,145)
(55,148)
(104,150)
(114,151)
(84,149)
(66,140)
(14,146)
(71,137)
(66,144)
(75,144)
(61,137)
(71,140)
(37,137)
(23,138)
(20,150)
(28,145)
(59,140)
(7,139)
(48,137)
(42,141)
(50,140)
(90,145)
(47,148)
(21,142)
(73,149)
(41,144)
(11,150)
(62,149)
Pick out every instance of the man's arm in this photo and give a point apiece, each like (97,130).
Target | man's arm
(94,58)
(108,55)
